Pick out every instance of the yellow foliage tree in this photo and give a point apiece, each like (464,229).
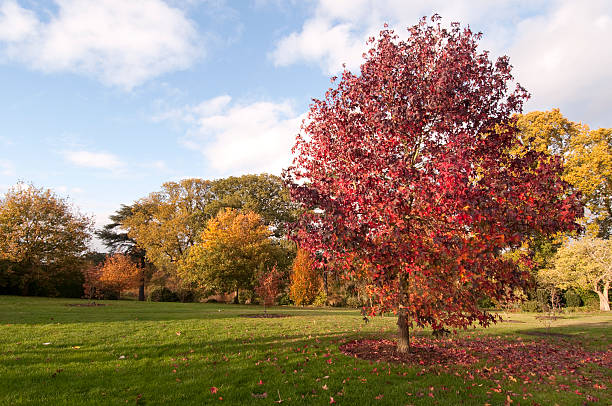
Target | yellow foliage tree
(586,155)
(166,224)
(44,234)
(584,263)
(306,281)
(232,248)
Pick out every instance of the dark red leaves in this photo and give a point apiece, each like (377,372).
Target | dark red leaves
(408,179)
(498,360)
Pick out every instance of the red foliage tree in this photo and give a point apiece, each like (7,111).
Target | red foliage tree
(409,169)
(268,286)
(93,288)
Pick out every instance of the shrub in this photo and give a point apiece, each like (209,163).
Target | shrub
(530,306)
(486,303)
(542,299)
(572,299)
(284,299)
(353,301)
(336,301)
(320,300)
(246,297)
(591,303)
(162,294)
(187,295)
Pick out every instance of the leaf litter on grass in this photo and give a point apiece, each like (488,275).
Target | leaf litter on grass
(540,362)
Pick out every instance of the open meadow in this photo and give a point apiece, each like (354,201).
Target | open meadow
(128,352)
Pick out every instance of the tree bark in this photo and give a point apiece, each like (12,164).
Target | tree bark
(141,288)
(141,291)
(604,303)
(236,298)
(403,341)
(403,317)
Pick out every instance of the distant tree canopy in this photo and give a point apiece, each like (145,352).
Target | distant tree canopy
(115,237)
(232,248)
(586,155)
(120,272)
(586,264)
(166,224)
(42,242)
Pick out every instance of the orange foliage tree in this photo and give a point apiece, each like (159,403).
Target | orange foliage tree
(120,272)
(305,279)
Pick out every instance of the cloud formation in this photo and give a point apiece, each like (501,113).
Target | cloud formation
(96,160)
(6,168)
(121,43)
(237,138)
(560,49)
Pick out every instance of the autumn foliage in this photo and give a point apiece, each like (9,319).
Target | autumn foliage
(233,247)
(305,279)
(408,169)
(120,273)
(268,286)
(42,240)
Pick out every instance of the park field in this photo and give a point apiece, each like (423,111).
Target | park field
(55,353)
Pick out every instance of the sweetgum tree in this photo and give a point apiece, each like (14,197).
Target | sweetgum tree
(407,169)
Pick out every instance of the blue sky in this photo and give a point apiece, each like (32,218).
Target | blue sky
(104,100)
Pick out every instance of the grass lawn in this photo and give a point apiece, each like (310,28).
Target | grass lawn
(174,353)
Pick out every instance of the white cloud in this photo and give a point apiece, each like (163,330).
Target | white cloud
(235,138)
(560,49)
(96,160)
(121,43)
(7,168)
(565,57)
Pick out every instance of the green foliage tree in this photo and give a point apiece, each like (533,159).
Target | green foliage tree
(167,223)
(44,238)
(585,264)
(263,194)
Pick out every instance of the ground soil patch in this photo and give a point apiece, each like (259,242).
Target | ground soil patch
(264,315)
(86,304)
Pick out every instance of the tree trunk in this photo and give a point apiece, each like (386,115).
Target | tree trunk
(403,341)
(236,298)
(403,318)
(325,280)
(141,291)
(141,288)
(604,303)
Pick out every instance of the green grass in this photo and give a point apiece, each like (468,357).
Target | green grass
(296,358)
